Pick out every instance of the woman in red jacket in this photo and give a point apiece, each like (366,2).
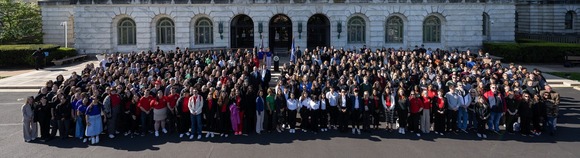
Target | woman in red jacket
(415,109)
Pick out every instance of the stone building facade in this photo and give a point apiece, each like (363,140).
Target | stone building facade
(109,26)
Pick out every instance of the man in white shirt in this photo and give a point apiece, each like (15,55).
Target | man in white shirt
(333,97)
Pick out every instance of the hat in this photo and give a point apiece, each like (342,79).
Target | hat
(158,82)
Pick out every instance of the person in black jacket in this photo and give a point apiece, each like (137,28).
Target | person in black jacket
(402,108)
(38,59)
(526,114)
(356,109)
(62,113)
(439,108)
(482,110)
(183,117)
(43,115)
(511,116)
(343,111)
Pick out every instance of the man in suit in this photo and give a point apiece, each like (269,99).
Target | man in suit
(265,77)
(356,107)
(343,110)
(255,78)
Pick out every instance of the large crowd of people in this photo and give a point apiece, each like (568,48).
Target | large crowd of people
(225,92)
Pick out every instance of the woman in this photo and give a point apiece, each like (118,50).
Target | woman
(80,109)
(377,108)
(260,103)
(94,122)
(129,112)
(144,106)
(323,114)
(62,115)
(402,110)
(366,112)
(388,101)
(304,106)
(272,111)
(223,116)
(43,117)
(159,105)
(416,105)
(281,111)
(426,117)
(235,118)
(439,108)
(210,112)
(314,113)
(551,112)
(482,111)
(29,126)
(292,106)
(539,111)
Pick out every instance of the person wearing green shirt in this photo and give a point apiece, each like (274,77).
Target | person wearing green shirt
(272,114)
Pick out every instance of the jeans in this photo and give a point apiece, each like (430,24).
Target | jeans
(259,121)
(196,124)
(144,122)
(493,122)
(551,124)
(462,118)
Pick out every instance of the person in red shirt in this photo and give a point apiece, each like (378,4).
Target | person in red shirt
(182,111)
(159,105)
(145,111)
(439,112)
(171,99)
(426,117)
(416,105)
(115,101)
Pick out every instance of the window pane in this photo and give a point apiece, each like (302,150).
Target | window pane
(126,32)
(165,32)
(356,30)
(432,30)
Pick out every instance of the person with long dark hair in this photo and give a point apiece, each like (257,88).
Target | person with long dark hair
(292,106)
(402,107)
(159,105)
(416,105)
(482,111)
(223,118)
(439,108)
(183,117)
(43,116)
(94,121)
(62,115)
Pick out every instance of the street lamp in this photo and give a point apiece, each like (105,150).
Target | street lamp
(65,33)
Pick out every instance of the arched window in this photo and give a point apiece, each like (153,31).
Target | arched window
(356,30)
(394,33)
(485,25)
(569,20)
(432,30)
(203,31)
(165,31)
(126,32)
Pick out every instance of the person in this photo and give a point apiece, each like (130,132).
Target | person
(280,103)
(268,58)
(453,102)
(463,115)
(314,113)
(29,126)
(555,96)
(323,114)
(43,115)
(333,97)
(304,109)
(183,117)
(195,109)
(260,112)
(145,111)
(526,114)
(80,109)
(513,106)
(38,56)
(272,111)
(426,117)
(210,111)
(388,101)
(112,103)
(159,105)
(539,114)
(130,112)
(235,118)
(482,112)
(377,109)
(223,114)
(439,113)
(292,106)
(367,108)
(497,104)
(62,114)
(402,110)
(551,112)
(416,105)
(356,109)
(94,121)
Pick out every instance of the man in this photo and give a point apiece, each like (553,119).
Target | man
(265,77)
(463,115)
(512,111)
(356,106)
(343,111)
(333,97)
(453,101)
(268,58)
(182,111)
(112,102)
(195,106)
(38,59)
(496,104)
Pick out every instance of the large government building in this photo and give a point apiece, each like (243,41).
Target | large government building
(99,26)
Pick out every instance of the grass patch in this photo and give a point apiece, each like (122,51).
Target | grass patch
(569,75)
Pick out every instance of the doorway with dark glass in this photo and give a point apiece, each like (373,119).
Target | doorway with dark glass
(318,31)
(280,34)
(242,32)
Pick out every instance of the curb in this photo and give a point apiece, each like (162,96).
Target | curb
(21,87)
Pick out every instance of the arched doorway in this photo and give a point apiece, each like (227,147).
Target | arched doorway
(318,31)
(280,32)
(242,32)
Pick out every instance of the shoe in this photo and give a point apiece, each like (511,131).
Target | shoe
(353,130)
(222,135)
(226,135)
(436,132)
(484,136)
(418,134)
(198,137)
(164,131)
(403,131)
(464,131)
(97,139)
(278,130)
(187,133)
(85,140)
(496,132)
(111,136)
(191,137)
(156,133)
(126,133)
(207,135)
(93,141)
(358,131)
(212,134)
(538,133)
(479,135)
(441,134)
(180,135)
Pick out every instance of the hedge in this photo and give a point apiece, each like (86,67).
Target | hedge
(21,55)
(532,52)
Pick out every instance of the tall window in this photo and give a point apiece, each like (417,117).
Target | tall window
(394,29)
(203,31)
(126,32)
(432,30)
(485,25)
(569,21)
(165,31)
(356,30)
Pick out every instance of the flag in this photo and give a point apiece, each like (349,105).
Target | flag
(292,50)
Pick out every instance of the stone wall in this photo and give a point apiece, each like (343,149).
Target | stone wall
(95,25)
(539,18)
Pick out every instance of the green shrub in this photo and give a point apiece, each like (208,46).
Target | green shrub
(532,52)
(21,55)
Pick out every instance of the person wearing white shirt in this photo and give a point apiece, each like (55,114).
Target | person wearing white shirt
(292,105)
(304,107)
(314,113)
(333,97)
(388,101)
(195,108)
(323,113)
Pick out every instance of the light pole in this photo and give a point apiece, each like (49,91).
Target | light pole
(65,33)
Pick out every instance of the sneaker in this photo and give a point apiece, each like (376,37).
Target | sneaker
(464,131)
(496,132)
(479,135)
(484,136)
(93,141)
(418,134)
(85,140)
(187,133)
(111,136)
(226,135)
(126,133)
(279,131)
(358,131)
(207,135)
(441,134)
(156,133)
(403,131)
(164,131)
(222,135)
(97,139)
(199,137)
(538,133)
(181,135)
(353,130)
(191,137)
(212,134)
